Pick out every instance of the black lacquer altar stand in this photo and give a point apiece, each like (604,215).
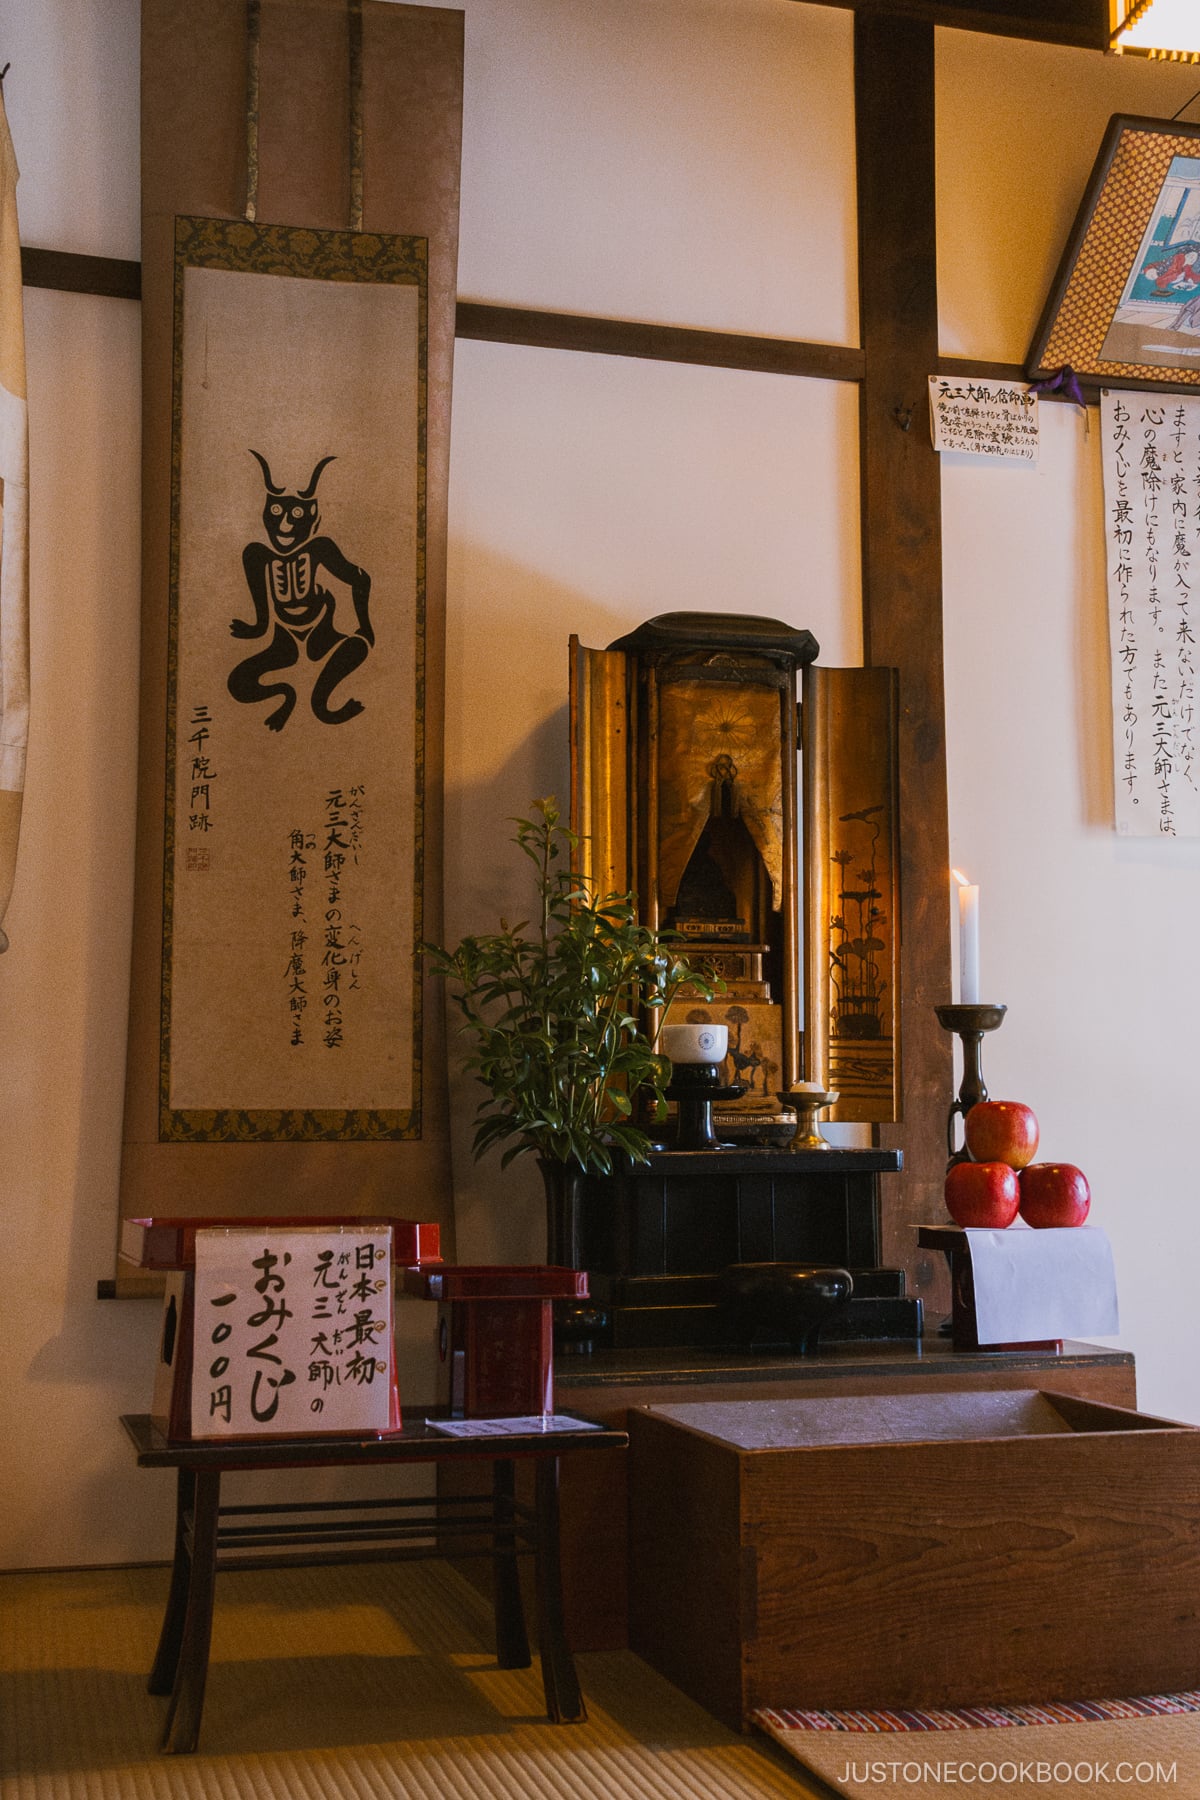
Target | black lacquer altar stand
(655,1237)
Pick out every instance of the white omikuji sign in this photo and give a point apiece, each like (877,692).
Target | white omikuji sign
(293,1333)
(1151,461)
(974,416)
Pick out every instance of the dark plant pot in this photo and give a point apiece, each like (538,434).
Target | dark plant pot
(781,1305)
(579,1325)
(563,1183)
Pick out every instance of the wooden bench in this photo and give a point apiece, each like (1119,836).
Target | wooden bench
(210,1539)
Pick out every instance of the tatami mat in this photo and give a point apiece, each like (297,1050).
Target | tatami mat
(361,1683)
(1150,1756)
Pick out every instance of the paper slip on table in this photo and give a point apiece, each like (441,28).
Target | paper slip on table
(211,1538)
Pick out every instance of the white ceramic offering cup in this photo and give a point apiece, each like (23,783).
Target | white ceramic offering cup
(695,1043)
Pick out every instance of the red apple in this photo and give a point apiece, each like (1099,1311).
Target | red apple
(1002,1131)
(1054,1194)
(985,1194)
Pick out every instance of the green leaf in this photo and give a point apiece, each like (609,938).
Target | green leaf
(556,1012)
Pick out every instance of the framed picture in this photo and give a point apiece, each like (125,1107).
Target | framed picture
(1125,303)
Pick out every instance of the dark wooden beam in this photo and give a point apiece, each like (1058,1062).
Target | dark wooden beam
(113,278)
(1083,24)
(902,581)
(659,343)
(108,276)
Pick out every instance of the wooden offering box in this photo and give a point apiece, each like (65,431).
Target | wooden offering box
(169,1245)
(914,1551)
(495,1335)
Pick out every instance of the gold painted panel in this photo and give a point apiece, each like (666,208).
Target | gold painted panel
(600,766)
(852,1001)
(718,748)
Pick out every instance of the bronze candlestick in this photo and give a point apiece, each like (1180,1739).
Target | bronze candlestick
(970,1023)
(808,1102)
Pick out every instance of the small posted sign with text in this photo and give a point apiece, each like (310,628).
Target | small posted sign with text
(972,416)
(293,1333)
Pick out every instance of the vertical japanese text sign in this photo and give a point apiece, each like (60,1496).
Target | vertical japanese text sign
(1151,460)
(293,1333)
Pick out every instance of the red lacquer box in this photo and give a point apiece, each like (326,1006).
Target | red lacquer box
(495,1335)
(171,1243)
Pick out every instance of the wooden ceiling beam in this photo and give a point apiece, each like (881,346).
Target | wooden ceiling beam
(1079,24)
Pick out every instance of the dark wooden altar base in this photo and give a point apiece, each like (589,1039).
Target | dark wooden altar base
(655,1237)
(607,1384)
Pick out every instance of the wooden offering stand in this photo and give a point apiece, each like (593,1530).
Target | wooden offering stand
(495,1335)
(169,1245)
(656,1236)
(964,1327)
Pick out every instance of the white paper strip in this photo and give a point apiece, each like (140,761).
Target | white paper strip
(14,526)
(1033,1285)
(976,417)
(526,1426)
(1151,461)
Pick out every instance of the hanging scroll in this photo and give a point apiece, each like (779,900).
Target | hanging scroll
(299,246)
(1151,462)
(294,729)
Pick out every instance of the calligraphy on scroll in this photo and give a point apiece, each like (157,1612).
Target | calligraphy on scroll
(294,818)
(1151,462)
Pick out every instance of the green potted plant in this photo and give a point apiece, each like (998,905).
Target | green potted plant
(554,1008)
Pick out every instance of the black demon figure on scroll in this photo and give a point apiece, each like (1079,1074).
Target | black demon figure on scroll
(285,582)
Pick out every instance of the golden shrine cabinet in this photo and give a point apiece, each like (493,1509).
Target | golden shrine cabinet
(747,797)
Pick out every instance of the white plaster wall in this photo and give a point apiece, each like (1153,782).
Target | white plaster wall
(589,493)
(689,162)
(1087,938)
(684,161)
(1019,126)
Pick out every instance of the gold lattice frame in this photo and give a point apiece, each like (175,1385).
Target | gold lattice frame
(1100,254)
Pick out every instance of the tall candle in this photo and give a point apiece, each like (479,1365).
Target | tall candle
(968,941)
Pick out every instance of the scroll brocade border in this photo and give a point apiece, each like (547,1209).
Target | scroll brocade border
(321,256)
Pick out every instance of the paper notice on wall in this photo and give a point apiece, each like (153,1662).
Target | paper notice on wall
(993,419)
(1151,461)
(293,1333)
(1034,1285)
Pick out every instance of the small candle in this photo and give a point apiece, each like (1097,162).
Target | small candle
(968,941)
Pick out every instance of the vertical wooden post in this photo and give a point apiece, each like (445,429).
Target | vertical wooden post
(902,580)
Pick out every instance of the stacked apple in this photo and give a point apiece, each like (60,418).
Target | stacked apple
(1002,1178)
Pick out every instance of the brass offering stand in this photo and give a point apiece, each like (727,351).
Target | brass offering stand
(969,1023)
(808,1102)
